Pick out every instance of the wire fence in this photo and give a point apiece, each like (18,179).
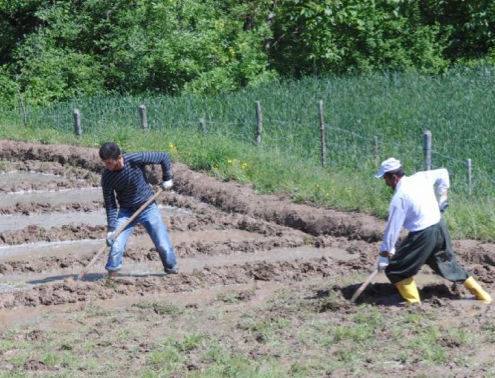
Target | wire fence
(320,142)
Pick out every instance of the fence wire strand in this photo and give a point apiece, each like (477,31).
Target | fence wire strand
(344,147)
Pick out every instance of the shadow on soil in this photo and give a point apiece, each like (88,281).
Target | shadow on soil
(88,277)
(385,294)
(91,277)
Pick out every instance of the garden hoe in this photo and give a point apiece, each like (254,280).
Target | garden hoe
(364,285)
(117,233)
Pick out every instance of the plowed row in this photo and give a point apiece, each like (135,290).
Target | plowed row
(225,236)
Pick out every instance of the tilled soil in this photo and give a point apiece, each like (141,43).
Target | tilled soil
(227,196)
(214,205)
(72,292)
(223,224)
(63,176)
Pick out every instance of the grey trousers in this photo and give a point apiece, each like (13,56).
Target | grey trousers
(431,246)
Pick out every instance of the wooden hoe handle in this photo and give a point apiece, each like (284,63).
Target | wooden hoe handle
(364,285)
(117,233)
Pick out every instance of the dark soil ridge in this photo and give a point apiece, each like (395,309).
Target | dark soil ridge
(241,199)
(28,208)
(207,220)
(142,254)
(71,291)
(34,234)
(86,158)
(78,291)
(54,168)
(166,199)
(229,196)
(75,177)
(45,186)
(202,217)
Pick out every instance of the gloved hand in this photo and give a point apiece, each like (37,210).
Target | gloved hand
(166,185)
(110,238)
(382,263)
(443,203)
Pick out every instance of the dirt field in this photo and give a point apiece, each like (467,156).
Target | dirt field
(263,289)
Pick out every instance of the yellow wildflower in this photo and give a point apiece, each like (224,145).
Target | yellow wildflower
(173,149)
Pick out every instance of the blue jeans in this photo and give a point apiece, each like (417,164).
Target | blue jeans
(151,219)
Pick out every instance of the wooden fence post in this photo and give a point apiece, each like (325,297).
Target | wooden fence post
(427,149)
(202,123)
(469,166)
(77,122)
(143,116)
(259,118)
(323,145)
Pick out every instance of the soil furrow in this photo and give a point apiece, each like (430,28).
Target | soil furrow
(29,208)
(213,219)
(76,291)
(138,253)
(229,196)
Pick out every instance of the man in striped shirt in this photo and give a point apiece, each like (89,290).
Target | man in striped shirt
(124,177)
(414,206)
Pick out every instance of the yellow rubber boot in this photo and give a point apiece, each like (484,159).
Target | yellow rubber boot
(409,291)
(475,289)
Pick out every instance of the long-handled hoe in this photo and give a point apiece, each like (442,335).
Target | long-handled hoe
(364,285)
(117,233)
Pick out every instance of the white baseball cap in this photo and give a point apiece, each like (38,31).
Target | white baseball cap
(388,165)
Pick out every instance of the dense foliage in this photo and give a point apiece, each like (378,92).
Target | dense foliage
(60,49)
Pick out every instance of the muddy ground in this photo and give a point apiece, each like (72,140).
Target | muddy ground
(263,288)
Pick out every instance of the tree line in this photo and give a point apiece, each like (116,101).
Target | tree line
(53,50)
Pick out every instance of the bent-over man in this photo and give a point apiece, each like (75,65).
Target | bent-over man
(414,206)
(124,177)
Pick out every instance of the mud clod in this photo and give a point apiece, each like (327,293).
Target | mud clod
(34,365)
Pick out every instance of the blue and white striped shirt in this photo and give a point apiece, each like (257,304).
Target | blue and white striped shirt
(130,183)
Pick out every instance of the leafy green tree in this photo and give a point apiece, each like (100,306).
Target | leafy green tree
(56,50)
(17,20)
(100,46)
(322,36)
(468,26)
(9,89)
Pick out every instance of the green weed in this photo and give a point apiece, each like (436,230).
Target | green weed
(50,359)
(488,329)
(8,345)
(426,344)
(93,310)
(370,316)
(161,308)
(230,297)
(70,360)
(190,342)
(357,333)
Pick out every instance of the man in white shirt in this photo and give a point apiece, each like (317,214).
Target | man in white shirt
(414,206)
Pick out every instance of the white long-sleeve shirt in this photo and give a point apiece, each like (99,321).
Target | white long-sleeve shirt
(414,205)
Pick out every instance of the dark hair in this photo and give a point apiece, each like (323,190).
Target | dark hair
(399,172)
(109,150)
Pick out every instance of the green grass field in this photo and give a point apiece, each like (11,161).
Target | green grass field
(292,334)
(396,108)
